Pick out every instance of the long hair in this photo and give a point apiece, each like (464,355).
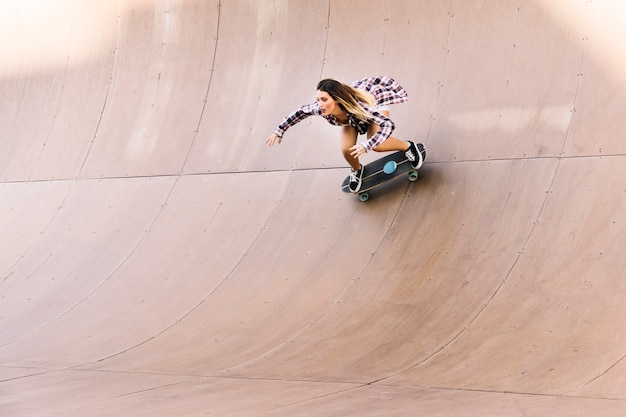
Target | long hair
(349,98)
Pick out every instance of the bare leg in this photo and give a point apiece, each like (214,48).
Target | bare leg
(392,144)
(348,140)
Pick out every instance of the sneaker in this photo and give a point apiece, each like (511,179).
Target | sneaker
(416,154)
(355,180)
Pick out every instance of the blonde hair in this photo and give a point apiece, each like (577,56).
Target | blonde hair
(349,98)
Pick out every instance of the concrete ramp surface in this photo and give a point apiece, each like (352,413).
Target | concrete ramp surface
(157,259)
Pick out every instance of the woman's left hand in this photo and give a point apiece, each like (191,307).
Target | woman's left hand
(357,151)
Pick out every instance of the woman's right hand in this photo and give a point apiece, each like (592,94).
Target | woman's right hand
(273,138)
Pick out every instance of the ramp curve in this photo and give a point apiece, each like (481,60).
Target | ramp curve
(158,259)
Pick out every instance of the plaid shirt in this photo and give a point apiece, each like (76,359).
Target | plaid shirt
(384,89)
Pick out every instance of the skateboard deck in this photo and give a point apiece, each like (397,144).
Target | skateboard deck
(382,170)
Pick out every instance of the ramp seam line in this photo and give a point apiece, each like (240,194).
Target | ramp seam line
(326,168)
(106,95)
(208,89)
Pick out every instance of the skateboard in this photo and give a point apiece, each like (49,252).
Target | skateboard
(385,169)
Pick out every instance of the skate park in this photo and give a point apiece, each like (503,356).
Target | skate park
(158,259)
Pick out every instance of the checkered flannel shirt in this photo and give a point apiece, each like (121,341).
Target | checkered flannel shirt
(384,89)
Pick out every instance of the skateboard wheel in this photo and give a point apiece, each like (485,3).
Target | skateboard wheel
(413,176)
(364,196)
(390,167)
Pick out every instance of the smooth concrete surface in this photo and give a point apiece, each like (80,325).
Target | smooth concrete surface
(157,259)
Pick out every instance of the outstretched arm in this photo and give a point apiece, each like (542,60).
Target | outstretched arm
(295,117)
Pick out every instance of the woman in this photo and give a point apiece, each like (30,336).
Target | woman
(360,108)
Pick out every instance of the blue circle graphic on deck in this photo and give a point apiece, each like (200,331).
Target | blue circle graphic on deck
(390,167)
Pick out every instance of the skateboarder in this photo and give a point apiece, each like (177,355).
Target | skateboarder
(360,108)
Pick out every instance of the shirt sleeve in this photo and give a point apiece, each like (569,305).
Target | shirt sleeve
(387,126)
(297,116)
